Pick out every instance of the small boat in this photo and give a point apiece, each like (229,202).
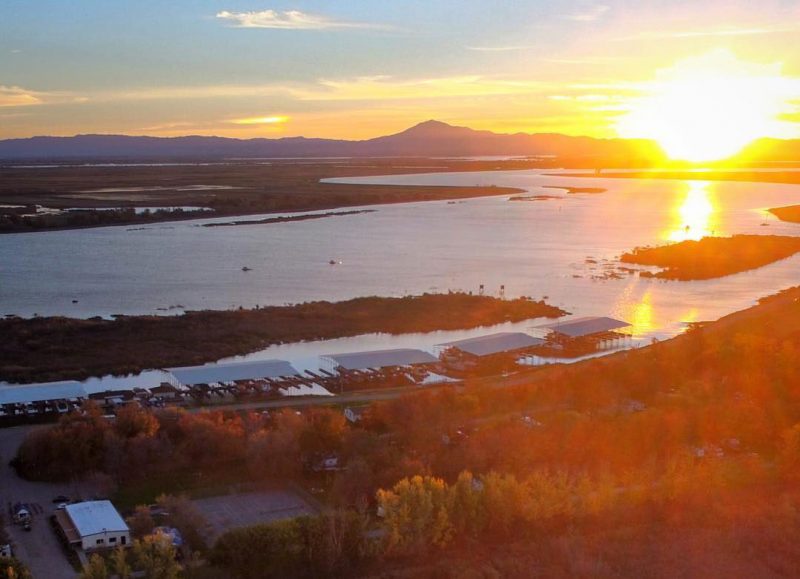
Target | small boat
(245,268)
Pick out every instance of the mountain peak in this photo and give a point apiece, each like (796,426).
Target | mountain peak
(429,127)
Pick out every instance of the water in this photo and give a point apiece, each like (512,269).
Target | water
(536,248)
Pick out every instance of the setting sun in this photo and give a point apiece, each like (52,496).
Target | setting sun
(709,107)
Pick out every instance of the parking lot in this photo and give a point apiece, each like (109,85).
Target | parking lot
(241,510)
(38,548)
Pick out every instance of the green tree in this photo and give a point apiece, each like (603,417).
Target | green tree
(96,569)
(119,563)
(155,556)
(416,514)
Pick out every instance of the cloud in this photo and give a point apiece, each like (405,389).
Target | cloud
(588,14)
(288,20)
(722,32)
(15,96)
(270,120)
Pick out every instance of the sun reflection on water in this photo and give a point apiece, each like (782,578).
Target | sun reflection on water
(696,216)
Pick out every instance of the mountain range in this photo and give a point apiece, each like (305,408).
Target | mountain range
(428,139)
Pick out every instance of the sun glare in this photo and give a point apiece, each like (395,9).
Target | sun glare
(709,107)
(695,217)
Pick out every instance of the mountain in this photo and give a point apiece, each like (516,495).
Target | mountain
(428,139)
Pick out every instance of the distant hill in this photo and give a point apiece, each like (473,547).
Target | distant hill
(428,139)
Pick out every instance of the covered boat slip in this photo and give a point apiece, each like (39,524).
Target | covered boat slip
(387,368)
(490,345)
(579,336)
(39,399)
(231,372)
(239,378)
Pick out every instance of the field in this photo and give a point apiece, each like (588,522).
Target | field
(229,188)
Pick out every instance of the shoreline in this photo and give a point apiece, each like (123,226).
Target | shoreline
(407,193)
(57,348)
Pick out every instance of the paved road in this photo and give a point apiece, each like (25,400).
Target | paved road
(39,549)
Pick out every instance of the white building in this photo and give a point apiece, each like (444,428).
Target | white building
(93,525)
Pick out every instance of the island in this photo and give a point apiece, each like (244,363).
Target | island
(57,348)
(791,213)
(713,257)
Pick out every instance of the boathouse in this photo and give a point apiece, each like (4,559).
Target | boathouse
(603,333)
(189,376)
(491,344)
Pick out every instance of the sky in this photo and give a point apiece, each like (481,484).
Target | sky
(364,68)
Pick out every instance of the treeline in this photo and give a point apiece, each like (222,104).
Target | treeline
(334,544)
(14,223)
(139,444)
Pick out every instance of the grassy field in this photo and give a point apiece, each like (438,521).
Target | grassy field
(233,188)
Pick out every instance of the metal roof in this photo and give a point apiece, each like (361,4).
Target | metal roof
(95,517)
(41,392)
(494,343)
(575,328)
(191,375)
(381,358)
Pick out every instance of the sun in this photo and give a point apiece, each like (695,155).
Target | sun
(709,107)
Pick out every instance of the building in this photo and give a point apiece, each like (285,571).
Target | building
(492,344)
(93,525)
(230,372)
(599,331)
(35,399)
(377,359)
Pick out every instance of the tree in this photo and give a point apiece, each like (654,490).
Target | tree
(184,516)
(96,569)
(119,563)
(416,514)
(155,556)
(141,523)
(12,568)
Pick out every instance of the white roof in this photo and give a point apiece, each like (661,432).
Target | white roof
(41,392)
(578,327)
(494,343)
(381,358)
(95,517)
(233,371)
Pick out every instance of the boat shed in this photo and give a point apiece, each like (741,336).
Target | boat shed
(93,525)
(489,345)
(231,372)
(582,327)
(379,359)
(46,392)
